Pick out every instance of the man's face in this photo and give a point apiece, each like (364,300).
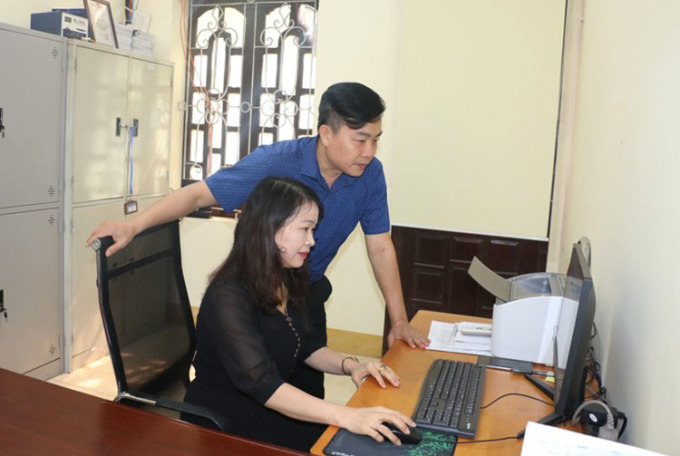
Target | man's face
(349,151)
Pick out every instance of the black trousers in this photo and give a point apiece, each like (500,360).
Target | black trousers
(308,379)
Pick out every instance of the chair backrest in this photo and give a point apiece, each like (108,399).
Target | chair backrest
(146,312)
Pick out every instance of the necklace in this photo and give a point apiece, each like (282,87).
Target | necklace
(290,323)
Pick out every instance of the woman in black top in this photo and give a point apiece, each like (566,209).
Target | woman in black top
(253,331)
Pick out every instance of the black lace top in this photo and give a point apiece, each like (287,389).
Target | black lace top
(241,350)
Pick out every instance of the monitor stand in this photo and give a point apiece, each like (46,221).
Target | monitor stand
(551,419)
(541,385)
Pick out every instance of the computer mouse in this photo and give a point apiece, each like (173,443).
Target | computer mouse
(412,438)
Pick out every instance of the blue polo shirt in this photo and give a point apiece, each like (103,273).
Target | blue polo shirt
(350,200)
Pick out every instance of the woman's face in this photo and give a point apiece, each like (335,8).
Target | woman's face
(296,237)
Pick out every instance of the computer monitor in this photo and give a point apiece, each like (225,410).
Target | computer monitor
(569,389)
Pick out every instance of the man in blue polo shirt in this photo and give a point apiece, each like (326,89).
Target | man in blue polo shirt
(339,165)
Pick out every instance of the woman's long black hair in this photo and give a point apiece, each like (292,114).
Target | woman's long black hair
(255,260)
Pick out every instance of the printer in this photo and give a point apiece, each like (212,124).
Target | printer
(528,311)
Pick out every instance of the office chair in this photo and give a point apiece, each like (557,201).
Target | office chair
(148,323)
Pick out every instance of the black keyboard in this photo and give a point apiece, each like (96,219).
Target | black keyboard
(450,397)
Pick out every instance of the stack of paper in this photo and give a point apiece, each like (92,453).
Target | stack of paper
(142,43)
(448,337)
(124,37)
(131,39)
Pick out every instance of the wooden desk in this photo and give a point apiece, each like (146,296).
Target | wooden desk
(505,418)
(39,418)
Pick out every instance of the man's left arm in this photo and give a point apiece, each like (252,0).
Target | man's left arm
(383,260)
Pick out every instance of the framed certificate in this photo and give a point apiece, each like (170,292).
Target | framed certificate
(102,28)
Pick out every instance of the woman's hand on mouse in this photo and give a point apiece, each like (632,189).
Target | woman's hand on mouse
(371,421)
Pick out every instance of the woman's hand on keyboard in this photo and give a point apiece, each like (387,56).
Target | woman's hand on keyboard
(379,371)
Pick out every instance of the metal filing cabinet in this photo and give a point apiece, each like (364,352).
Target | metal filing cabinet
(32,87)
(108,92)
(66,164)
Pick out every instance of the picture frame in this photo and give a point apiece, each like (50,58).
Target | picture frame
(102,27)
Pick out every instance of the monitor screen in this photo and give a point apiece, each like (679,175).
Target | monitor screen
(570,380)
(570,373)
(559,372)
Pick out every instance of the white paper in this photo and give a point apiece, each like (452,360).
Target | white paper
(141,21)
(542,440)
(446,337)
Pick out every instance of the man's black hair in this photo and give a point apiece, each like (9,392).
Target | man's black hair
(349,103)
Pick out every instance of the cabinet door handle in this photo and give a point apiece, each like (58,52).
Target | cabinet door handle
(2,125)
(3,309)
(120,126)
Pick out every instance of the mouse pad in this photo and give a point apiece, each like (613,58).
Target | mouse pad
(433,443)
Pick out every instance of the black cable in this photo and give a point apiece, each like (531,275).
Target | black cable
(514,394)
(594,375)
(513,437)
(593,369)
(625,422)
(602,394)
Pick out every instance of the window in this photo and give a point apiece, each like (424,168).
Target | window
(250,80)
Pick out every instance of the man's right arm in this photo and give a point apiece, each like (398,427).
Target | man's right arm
(173,206)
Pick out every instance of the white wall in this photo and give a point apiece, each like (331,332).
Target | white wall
(199,260)
(623,194)
(477,115)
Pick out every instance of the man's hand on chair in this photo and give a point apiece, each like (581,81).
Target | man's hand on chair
(122,233)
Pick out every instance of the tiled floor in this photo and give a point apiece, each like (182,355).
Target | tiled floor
(97,379)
